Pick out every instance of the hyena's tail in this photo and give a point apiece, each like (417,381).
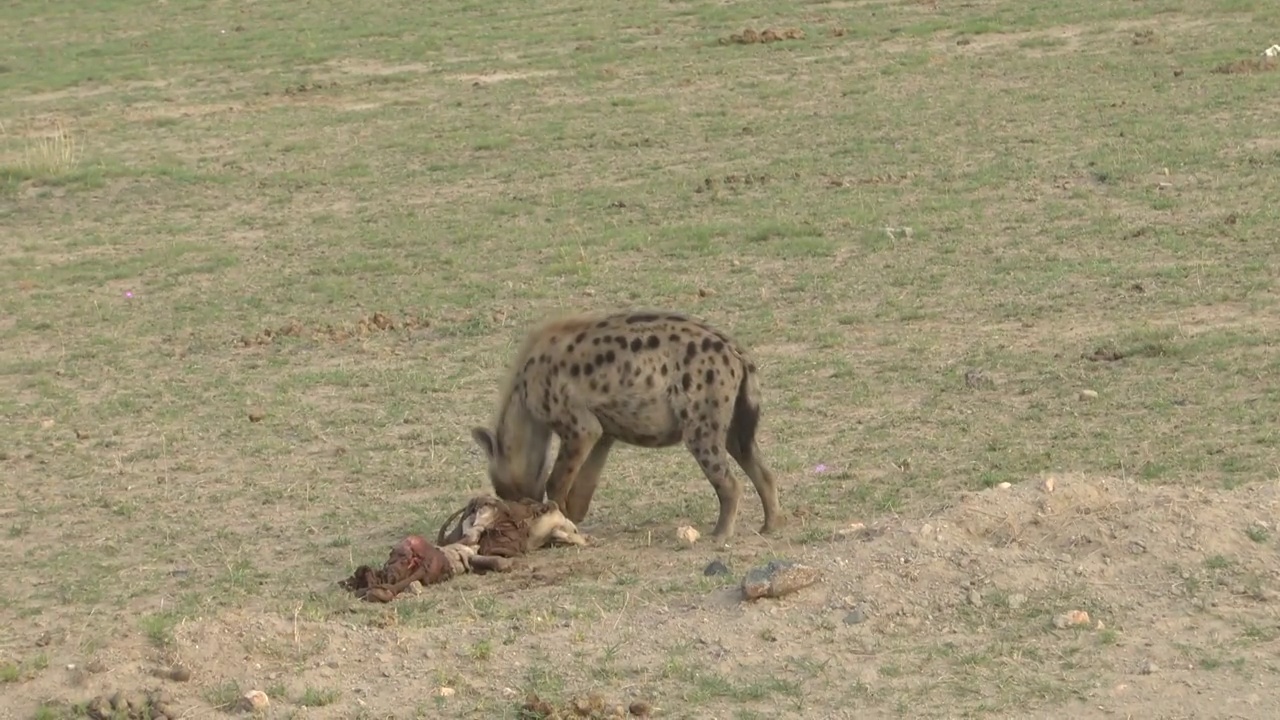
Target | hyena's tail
(746,413)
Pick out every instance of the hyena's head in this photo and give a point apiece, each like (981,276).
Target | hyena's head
(515,468)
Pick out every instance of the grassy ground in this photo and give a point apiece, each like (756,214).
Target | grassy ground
(936,225)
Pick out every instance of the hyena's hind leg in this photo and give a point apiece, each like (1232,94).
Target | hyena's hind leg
(762,477)
(713,457)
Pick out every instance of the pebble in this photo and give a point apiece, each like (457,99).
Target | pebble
(686,535)
(715,567)
(975,598)
(1069,619)
(1149,668)
(856,616)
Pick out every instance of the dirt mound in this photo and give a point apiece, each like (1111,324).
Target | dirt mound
(1116,541)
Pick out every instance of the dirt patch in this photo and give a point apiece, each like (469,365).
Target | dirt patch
(768,35)
(1152,593)
(497,77)
(366,326)
(1248,66)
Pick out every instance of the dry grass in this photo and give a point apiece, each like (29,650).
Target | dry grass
(49,153)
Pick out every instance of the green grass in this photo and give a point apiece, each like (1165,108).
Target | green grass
(1064,196)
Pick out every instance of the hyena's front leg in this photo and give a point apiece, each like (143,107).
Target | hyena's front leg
(576,443)
(584,486)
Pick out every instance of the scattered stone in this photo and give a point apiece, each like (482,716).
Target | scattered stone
(1149,668)
(254,701)
(686,536)
(1004,485)
(1017,600)
(856,616)
(1071,619)
(1088,394)
(778,578)
(715,567)
(975,598)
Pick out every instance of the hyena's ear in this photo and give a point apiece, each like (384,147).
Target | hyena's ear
(484,438)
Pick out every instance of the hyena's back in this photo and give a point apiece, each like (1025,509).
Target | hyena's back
(644,375)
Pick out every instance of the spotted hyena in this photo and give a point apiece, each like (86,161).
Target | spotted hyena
(649,378)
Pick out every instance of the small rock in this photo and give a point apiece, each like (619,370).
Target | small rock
(416,588)
(1005,485)
(977,380)
(1017,600)
(715,567)
(1088,395)
(686,536)
(640,708)
(254,701)
(444,692)
(1149,668)
(975,598)
(856,616)
(1071,619)
(778,578)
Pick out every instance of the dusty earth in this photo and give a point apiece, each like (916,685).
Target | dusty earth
(1100,597)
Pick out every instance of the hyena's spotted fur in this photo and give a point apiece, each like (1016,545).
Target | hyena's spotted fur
(650,378)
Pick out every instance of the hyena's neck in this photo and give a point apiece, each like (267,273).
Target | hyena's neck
(525,442)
